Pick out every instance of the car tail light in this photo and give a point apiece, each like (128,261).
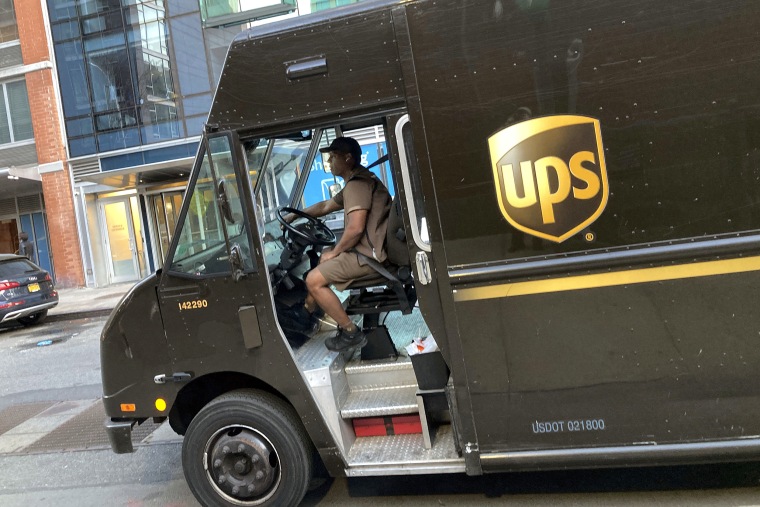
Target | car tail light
(8,285)
(47,277)
(11,304)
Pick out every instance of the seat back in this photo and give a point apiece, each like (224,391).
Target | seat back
(395,237)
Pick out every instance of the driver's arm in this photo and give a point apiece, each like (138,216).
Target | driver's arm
(317,210)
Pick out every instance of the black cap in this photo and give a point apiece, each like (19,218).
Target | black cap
(345,145)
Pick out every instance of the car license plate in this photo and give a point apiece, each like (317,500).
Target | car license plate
(34,287)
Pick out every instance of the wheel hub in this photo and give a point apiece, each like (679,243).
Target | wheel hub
(242,464)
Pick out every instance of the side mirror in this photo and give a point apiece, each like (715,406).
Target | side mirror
(334,189)
(224,203)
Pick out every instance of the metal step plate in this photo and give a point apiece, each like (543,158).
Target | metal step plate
(379,374)
(404,455)
(379,402)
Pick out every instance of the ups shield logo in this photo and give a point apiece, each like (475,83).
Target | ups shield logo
(550,175)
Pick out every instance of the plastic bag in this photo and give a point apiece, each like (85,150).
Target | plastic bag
(422,345)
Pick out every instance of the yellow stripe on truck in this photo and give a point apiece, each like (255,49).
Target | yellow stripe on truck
(634,276)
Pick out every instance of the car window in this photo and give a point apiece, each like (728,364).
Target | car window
(16,267)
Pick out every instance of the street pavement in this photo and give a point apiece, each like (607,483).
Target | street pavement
(87,302)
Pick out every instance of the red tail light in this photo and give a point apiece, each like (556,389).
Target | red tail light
(47,277)
(8,285)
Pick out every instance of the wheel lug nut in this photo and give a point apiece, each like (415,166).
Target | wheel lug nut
(235,490)
(241,448)
(226,449)
(259,475)
(251,487)
(222,479)
(217,463)
(256,458)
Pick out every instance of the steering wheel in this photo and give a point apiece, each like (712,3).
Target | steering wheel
(314,230)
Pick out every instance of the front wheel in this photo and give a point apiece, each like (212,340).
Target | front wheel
(247,448)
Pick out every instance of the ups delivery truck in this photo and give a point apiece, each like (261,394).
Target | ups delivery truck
(577,204)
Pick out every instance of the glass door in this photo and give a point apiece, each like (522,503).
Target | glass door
(123,265)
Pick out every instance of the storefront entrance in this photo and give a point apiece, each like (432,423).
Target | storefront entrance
(123,239)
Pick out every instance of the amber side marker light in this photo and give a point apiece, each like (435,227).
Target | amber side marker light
(127,407)
(160,404)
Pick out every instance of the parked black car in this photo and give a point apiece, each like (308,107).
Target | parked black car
(26,291)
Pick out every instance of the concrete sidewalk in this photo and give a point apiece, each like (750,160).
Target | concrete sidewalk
(87,302)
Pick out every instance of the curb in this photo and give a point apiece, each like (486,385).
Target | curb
(57,317)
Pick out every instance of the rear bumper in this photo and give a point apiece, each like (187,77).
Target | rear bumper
(23,312)
(120,435)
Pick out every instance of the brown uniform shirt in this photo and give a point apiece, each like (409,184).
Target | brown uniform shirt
(365,191)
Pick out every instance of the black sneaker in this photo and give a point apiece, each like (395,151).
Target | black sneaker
(344,341)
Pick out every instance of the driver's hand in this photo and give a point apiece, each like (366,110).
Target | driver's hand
(327,255)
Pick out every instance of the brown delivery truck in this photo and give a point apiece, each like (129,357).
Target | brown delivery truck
(575,218)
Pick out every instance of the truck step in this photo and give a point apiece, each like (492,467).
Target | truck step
(383,373)
(380,402)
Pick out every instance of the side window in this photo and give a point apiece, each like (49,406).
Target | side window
(255,151)
(201,248)
(372,142)
(320,178)
(282,173)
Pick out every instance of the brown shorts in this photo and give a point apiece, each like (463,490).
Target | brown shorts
(345,269)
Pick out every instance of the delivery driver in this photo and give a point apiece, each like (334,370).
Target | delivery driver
(366,203)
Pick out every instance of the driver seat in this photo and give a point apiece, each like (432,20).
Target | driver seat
(390,288)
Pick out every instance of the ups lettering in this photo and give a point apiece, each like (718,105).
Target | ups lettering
(539,190)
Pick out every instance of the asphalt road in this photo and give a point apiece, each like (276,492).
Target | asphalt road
(56,365)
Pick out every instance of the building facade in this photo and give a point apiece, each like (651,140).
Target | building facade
(36,193)
(105,102)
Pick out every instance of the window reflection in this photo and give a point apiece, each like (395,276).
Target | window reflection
(119,51)
(8,27)
(15,117)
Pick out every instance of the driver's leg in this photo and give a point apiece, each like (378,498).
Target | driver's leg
(321,293)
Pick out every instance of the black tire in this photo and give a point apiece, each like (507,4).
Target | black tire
(34,318)
(247,448)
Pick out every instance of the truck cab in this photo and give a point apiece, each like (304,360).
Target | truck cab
(575,225)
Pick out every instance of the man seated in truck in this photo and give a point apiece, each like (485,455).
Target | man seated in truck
(366,204)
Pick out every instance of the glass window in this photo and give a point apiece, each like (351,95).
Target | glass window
(321,5)
(281,175)
(195,124)
(65,30)
(107,21)
(87,7)
(8,27)
(79,127)
(200,104)
(16,268)
(21,117)
(15,117)
(190,56)
(118,139)
(109,70)
(82,146)
(255,150)
(72,77)
(320,178)
(118,120)
(201,249)
(62,9)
